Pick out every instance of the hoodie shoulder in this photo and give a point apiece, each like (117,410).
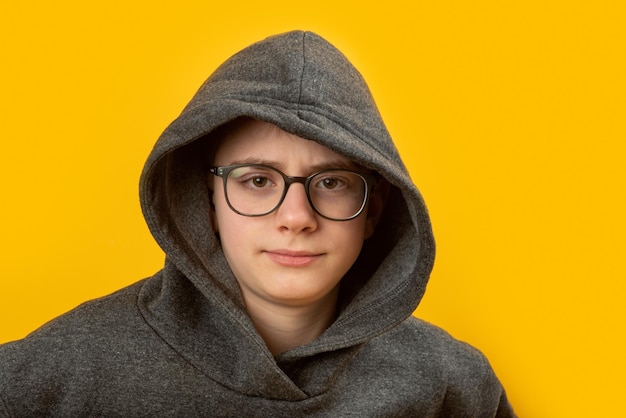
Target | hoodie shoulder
(95,356)
(69,348)
(449,372)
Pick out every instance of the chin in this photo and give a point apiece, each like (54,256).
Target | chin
(299,297)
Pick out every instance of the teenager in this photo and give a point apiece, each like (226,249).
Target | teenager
(297,249)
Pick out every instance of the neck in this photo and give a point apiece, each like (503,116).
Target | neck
(284,327)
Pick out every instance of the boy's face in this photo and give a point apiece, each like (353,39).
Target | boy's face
(291,256)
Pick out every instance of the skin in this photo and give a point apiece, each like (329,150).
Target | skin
(289,263)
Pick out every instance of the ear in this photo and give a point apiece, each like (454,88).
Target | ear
(214,223)
(212,215)
(376,206)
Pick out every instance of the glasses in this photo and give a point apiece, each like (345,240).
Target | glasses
(257,190)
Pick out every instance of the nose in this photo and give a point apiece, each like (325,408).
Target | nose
(295,213)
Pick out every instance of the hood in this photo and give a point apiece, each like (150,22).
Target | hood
(304,85)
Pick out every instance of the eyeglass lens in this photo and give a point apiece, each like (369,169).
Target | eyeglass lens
(257,190)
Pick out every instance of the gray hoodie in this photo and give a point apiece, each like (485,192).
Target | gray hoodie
(180,343)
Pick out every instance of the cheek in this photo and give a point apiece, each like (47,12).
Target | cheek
(236,233)
(236,237)
(349,237)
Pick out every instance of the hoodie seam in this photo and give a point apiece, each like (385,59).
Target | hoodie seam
(142,310)
(366,311)
(300,108)
(379,302)
(301,73)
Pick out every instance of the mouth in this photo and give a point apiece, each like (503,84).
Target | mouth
(288,258)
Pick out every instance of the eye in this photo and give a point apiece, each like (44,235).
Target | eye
(330,183)
(255,179)
(259,181)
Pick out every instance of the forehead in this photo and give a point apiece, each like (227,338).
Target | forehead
(258,141)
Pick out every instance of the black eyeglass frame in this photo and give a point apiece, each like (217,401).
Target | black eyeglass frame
(369,178)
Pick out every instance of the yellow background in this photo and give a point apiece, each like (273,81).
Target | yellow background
(510,116)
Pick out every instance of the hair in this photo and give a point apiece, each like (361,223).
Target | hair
(212,141)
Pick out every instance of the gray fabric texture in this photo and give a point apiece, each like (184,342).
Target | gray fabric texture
(180,343)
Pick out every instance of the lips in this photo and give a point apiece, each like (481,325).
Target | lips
(290,258)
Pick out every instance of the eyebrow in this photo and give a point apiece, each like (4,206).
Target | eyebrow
(331,164)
